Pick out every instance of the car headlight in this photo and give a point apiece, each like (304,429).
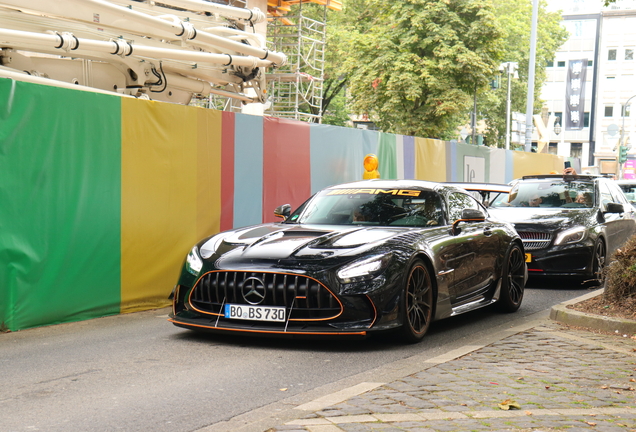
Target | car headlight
(571,235)
(193,262)
(364,269)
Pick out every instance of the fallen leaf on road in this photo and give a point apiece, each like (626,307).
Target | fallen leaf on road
(283,389)
(547,387)
(494,383)
(528,412)
(591,423)
(509,404)
(604,387)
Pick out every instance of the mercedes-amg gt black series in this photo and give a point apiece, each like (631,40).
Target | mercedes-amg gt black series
(357,258)
(570,225)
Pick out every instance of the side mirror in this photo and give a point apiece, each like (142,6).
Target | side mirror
(473,215)
(283,211)
(614,208)
(468,215)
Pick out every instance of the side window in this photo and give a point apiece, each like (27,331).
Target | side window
(618,195)
(457,202)
(606,195)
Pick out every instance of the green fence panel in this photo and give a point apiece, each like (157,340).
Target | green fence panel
(387,156)
(60,188)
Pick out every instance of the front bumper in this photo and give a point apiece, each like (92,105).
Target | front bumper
(575,261)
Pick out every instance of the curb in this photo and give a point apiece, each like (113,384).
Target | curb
(562,314)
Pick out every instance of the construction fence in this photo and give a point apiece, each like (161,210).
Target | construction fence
(102,197)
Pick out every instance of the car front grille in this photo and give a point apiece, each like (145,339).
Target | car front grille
(535,240)
(307,298)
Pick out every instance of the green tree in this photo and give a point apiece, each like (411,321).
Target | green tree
(514,17)
(413,65)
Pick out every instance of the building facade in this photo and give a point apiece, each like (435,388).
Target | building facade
(589,82)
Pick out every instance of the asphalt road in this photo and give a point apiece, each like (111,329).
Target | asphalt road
(138,372)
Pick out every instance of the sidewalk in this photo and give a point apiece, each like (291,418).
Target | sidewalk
(560,377)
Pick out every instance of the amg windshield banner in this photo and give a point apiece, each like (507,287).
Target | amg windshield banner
(575,94)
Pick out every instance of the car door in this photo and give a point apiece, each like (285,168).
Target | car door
(474,251)
(621,225)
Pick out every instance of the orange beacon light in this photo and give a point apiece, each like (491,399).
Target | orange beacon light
(371,167)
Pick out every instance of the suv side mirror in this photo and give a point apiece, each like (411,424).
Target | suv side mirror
(283,211)
(614,208)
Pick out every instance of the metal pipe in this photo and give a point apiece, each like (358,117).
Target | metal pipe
(187,31)
(253,15)
(23,76)
(203,87)
(508,103)
(67,42)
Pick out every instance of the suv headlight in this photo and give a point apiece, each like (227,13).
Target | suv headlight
(193,262)
(367,268)
(571,235)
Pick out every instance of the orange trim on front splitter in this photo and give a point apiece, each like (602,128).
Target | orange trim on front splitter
(362,333)
(287,274)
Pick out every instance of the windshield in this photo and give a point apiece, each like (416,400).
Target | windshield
(410,208)
(630,192)
(552,194)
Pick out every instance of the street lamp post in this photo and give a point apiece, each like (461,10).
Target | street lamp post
(621,142)
(510,68)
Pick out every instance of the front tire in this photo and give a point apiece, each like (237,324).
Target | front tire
(598,264)
(418,303)
(513,280)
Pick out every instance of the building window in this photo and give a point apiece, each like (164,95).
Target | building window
(553,148)
(609,111)
(586,119)
(576,150)
(550,63)
(578,28)
(590,62)
(611,54)
(558,118)
(625,110)
(629,54)
(561,64)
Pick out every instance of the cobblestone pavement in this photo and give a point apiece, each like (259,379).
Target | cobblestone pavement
(560,378)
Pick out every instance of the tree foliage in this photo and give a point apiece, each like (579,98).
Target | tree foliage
(413,65)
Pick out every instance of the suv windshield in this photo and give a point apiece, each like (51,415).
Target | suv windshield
(551,193)
(371,207)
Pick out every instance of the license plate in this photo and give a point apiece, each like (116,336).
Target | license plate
(255,313)
(528,257)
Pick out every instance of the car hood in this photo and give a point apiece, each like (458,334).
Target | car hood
(543,218)
(282,241)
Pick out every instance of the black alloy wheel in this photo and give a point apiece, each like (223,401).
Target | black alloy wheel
(598,263)
(513,280)
(418,303)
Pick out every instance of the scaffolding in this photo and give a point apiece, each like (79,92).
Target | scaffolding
(295,90)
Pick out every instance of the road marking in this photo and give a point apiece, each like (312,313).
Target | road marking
(454,354)
(337,397)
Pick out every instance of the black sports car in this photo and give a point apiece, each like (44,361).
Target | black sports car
(370,256)
(570,225)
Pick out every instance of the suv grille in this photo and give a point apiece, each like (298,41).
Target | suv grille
(535,240)
(307,298)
